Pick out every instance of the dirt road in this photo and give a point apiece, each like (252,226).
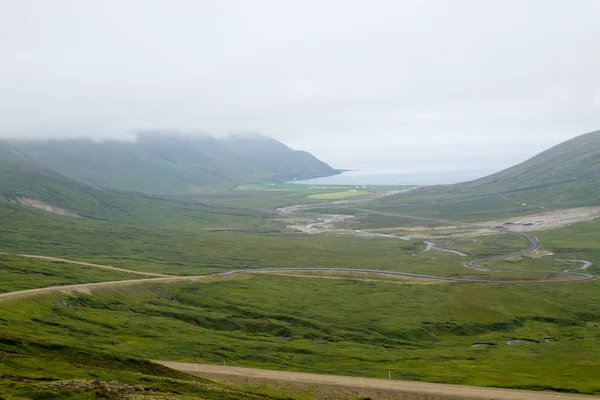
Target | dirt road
(322,223)
(110,267)
(462,392)
(88,287)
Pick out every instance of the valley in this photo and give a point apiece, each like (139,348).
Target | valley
(267,200)
(409,282)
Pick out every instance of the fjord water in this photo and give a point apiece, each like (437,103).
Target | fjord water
(395,178)
(431,164)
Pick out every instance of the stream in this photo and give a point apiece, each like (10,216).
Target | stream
(325,223)
(319,224)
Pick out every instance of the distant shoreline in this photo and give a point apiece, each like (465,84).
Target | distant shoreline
(350,177)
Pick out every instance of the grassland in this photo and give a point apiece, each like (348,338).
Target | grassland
(538,264)
(32,369)
(184,252)
(575,241)
(19,273)
(420,332)
(353,325)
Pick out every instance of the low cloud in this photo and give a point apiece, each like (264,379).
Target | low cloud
(316,75)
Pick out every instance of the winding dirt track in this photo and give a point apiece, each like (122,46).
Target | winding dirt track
(109,267)
(443,390)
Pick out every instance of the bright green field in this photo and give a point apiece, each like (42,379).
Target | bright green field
(339,195)
(254,187)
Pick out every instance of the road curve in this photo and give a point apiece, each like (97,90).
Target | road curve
(85,287)
(86,264)
(533,245)
(431,389)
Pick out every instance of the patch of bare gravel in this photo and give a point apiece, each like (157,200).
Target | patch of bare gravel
(536,222)
(547,220)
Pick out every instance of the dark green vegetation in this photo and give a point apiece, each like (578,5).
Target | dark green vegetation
(20,273)
(22,181)
(420,332)
(40,370)
(567,175)
(160,163)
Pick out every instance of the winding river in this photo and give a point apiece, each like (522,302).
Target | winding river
(325,223)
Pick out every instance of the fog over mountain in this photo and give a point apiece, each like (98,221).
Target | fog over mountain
(416,86)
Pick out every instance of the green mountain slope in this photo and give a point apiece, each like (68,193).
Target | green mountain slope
(566,175)
(576,160)
(23,181)
(160,163)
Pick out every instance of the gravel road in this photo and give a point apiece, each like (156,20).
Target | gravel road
(459,392)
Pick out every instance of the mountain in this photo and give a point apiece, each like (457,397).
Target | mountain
(23,181)
(574,161)
(566,175)
(167,163)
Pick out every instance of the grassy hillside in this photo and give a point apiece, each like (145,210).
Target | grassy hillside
(20,273)
(576,160)
(23,181)
(339,326)
(567,175)
(38,369)
(174,164)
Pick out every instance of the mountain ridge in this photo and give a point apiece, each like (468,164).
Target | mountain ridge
(170,163)
(564,176)
(24,182)
(572,160)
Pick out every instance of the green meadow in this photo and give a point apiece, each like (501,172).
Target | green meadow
(185,252)
(20,273)
(348,326)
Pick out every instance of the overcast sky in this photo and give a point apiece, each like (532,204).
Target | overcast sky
(352,81)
